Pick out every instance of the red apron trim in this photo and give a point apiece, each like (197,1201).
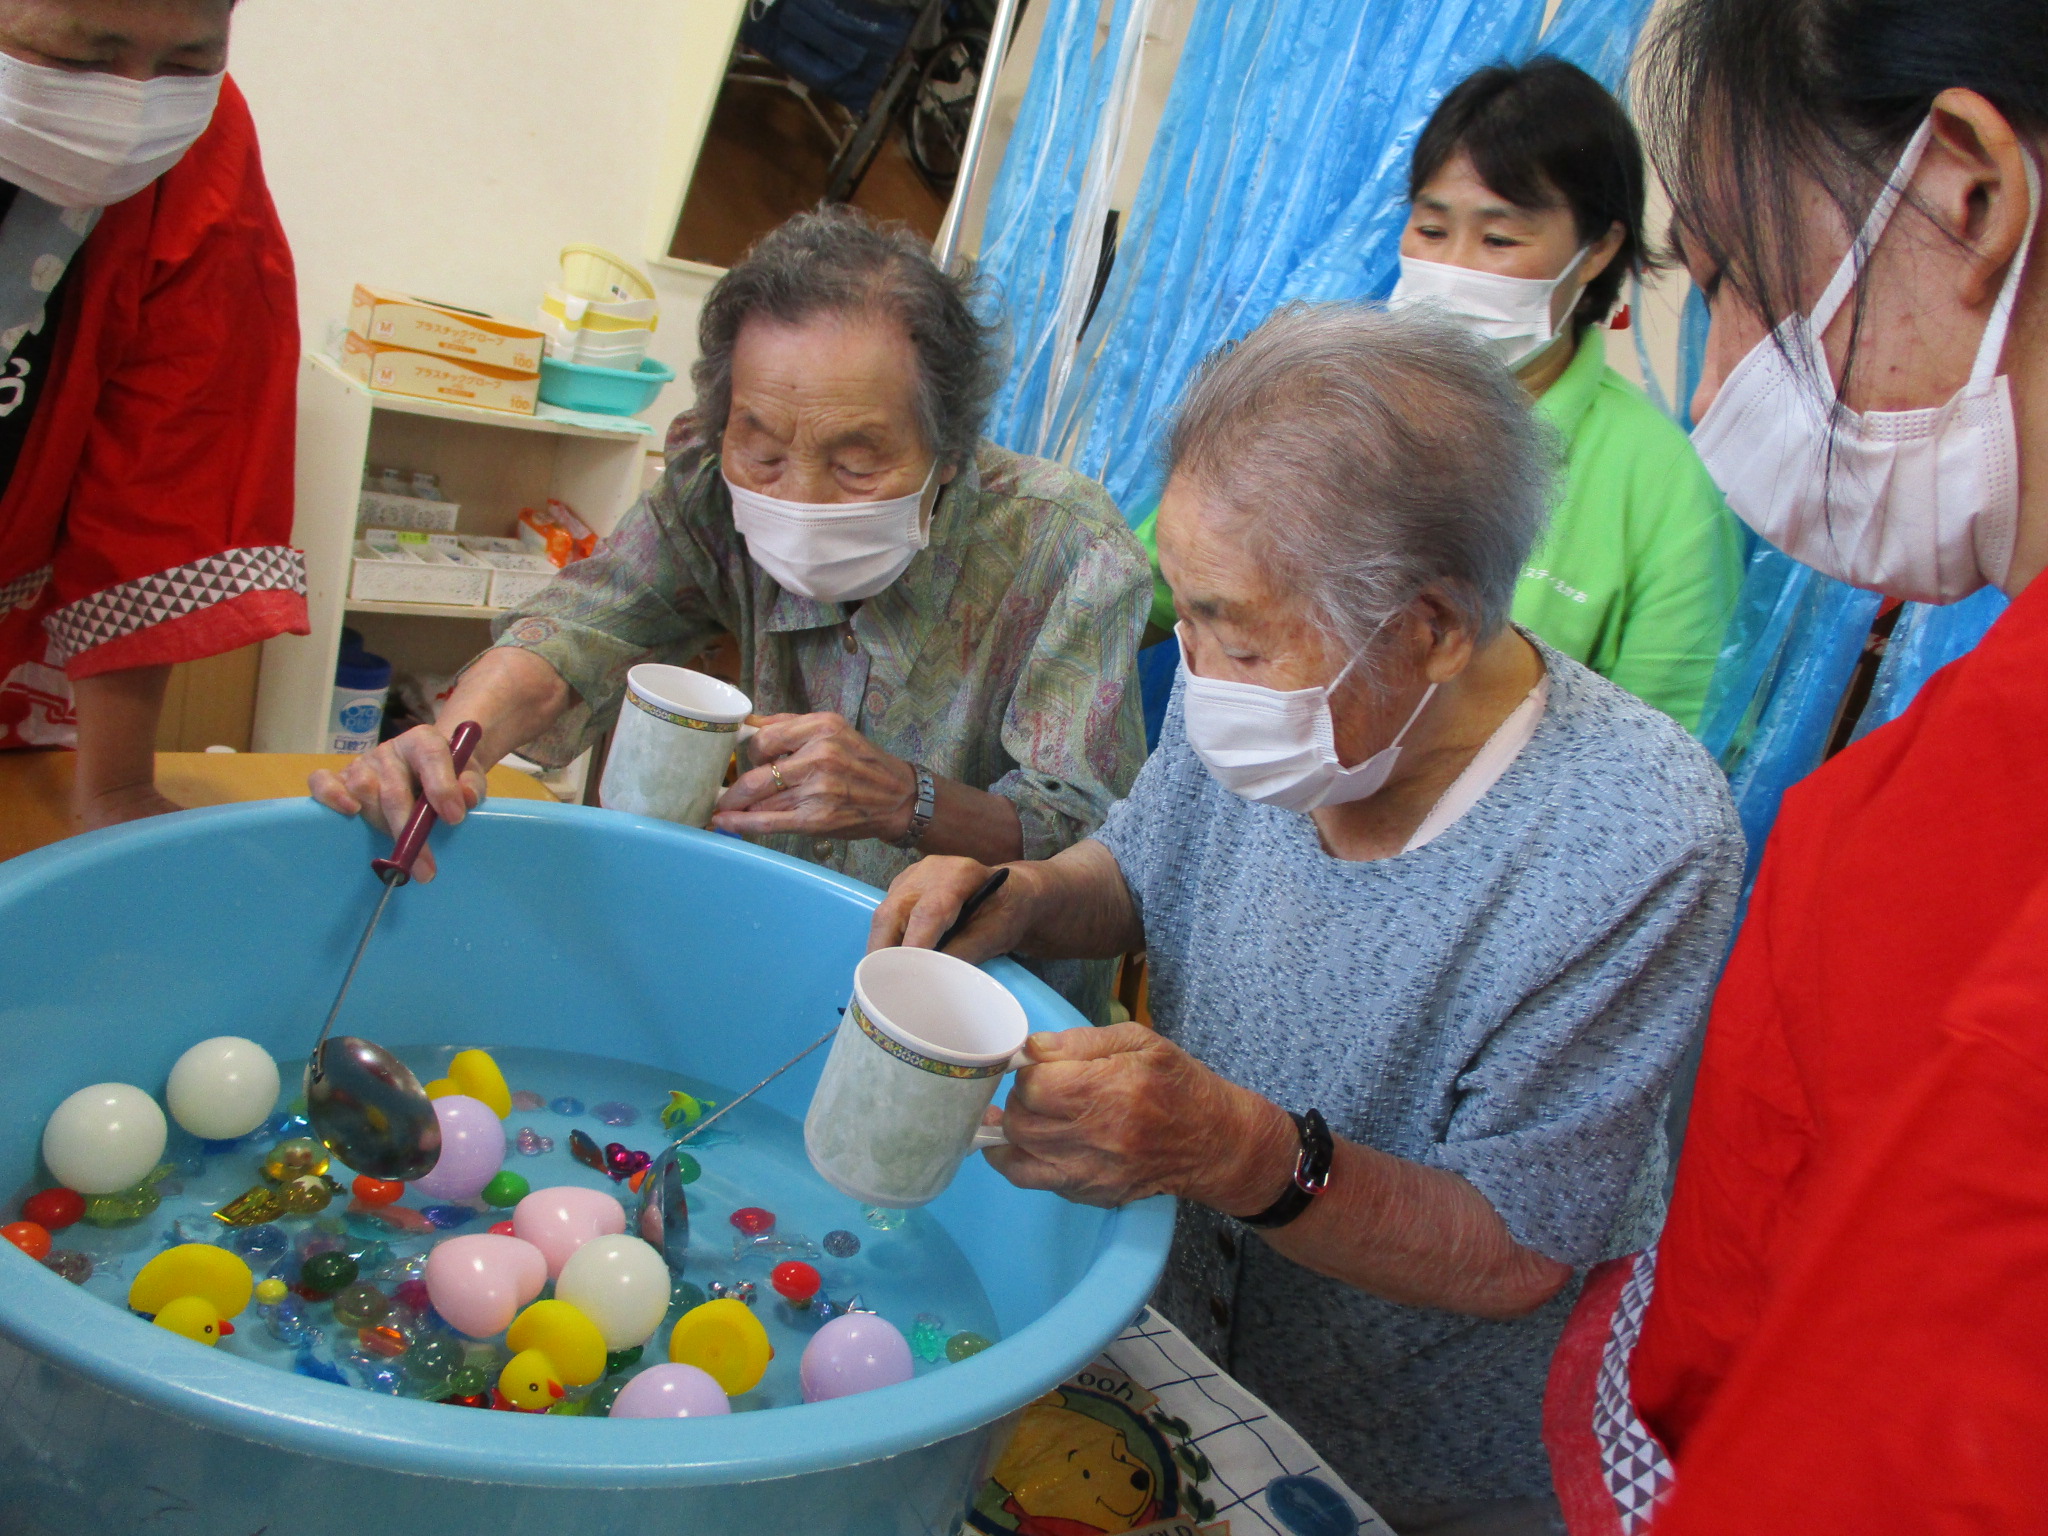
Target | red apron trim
(226,626)
(1610,1469)
(123,609)
(23,591)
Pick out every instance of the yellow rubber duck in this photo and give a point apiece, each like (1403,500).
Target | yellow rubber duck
(193,1289)
(724,1339)
(570,1341)
(530,1382)
(475,1075)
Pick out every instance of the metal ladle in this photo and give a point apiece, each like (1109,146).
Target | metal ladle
(364,1103)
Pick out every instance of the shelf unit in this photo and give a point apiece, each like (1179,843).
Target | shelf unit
(492,462)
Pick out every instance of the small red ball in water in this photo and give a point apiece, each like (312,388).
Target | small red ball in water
(54,1209)
(501,1228)
(31,1237)
(376,1191)
(753,1221)
(795,1281)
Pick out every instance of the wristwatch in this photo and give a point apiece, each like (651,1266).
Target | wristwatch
(1318,1149)
(921,808)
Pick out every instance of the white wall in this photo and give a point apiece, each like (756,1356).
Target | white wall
(453,147)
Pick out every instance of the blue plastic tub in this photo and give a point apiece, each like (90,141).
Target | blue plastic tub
(608,391)
(549,925)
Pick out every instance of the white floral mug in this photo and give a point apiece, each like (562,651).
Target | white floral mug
(919,1055)
(676,735)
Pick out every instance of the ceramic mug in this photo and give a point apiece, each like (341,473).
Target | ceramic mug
(919,1054)
(676,735)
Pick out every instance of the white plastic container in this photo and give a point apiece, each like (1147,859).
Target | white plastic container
(517,573)
(417,568)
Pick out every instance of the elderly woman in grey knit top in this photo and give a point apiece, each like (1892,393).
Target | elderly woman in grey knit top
(1432,912)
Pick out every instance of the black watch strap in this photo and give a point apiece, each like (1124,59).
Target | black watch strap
(1311,1172)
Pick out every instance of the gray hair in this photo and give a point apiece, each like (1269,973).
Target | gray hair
(1372,457)
(834,260)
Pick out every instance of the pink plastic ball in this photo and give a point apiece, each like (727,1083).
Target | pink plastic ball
(472,1149)
(854,1353)
(671,1392)
(479,1282)
(562,1219)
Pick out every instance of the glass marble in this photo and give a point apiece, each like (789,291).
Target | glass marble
(688,1169)
(325,1273)
(527,1099)
(928,1338)
(288,1323)
(446,1218)
(383,1340)
(262,1244)
(616,1112)
(965,1344)
(686,1294)
(469,1381)
(884,1219)
(841,1244)
(360,1306)
(307,1195)
(285,1125)
(433,1360)
(293,1158)
(618,1360)
(566,1106)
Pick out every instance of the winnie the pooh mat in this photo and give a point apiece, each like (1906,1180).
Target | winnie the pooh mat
(1153,1439)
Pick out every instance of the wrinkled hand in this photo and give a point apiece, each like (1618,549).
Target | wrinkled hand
(1107,1116)
(924,899)
(116,806)
(834,783)
(383,783)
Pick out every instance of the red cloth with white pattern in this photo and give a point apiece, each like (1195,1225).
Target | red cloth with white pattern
(149,518)
(1849,1325)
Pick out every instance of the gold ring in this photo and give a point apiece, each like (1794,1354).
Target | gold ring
(775,773)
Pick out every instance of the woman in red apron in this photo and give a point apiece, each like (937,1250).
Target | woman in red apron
(148,348)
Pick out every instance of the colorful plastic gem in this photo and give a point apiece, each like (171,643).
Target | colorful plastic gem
(360,1306)
(70,1263)
(504,1228)
(265,1243)
(286,1320)
(469,1381)
(527,1099)
(379,1375)
(531,1143)
(310,1364)
(412,1293)
(753,1220)
(841,1244)
(566,1106)
(433,1361)
(613,1112)
(688,1169)
(741,1291)
(252,1207)
(292,1159)
(31,1237)
(326,1273)
(928,1338)
(682,1109)
(617,1360)
(622,1162)
(795,1282)
(446,1218)
(685,1294)
(270,1291)
(123,1207)
(54,1209)
(586,1151)
(375,1192)
(307,1195)
(883,1219)
(506,1189)
(286,1123)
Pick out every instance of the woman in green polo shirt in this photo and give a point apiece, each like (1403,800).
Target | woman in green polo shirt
(1526,194)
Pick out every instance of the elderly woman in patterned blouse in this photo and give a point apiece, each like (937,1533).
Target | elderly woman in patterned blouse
(978,624)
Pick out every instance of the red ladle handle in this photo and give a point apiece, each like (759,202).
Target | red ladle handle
(397,869)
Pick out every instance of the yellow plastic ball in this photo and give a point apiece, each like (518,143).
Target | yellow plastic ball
(270,1291)
(476,1074)
(565,1336)
(726,1340)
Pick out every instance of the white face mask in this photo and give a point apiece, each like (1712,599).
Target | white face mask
(834,551)
(1510,315)
(1277,747)
(1920,504)
(82,139)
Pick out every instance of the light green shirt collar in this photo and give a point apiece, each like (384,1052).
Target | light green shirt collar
(1566,402)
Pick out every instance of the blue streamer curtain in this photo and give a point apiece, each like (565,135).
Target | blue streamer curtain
(1279,172)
